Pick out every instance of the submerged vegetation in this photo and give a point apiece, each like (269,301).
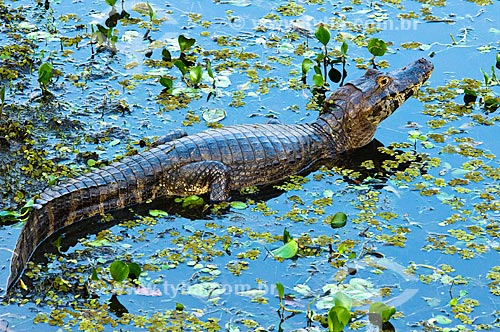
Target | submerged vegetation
(402,236)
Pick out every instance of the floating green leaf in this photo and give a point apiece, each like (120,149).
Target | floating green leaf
(213,115)
(239,205)
(111,2)
(440,319)
(185,43)
(158,213)
(190,201)
(377,47)
(119,270)
(383,310)
(322,35)
(287,250)
(179,306)
(338,220)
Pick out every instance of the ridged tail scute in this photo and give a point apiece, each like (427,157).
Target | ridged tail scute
(132,181)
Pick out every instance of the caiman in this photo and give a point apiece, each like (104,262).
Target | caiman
(218,161)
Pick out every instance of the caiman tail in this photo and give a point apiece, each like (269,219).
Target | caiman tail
(133,180)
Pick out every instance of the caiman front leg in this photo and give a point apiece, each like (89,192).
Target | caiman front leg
(204,176)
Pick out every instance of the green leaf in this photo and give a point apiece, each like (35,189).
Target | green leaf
(26,209)
(119,270)
(281,290)
(102,29)
(318,80)
(209,69)
(2,93)
(344,48)
(57,243)
(239,205)
(91,162)
(338,317)
(190,201)
(382,309)
(165,55)
(94,275)
(486,77)
(185,43)
(470,96)
(111,2)
(342,300)
(453,302)
(45,73)
(286,236)
(151,11)
(8,216)
(322,34)
(213,115)
(287,250)
(338,220)
(182,67)
(377,47)
(158,213)
(166,82)
(440,319)
(179,306)
(498,60)
(134,270)
(307,64)
(114,142)
(195,75)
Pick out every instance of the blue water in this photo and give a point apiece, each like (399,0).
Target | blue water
(416,301)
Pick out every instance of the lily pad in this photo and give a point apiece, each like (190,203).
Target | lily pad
(287,250)
(214,115)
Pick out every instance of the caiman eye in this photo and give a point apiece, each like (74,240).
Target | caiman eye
(382,81)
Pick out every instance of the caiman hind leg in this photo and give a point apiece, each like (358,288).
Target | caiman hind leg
(204,176)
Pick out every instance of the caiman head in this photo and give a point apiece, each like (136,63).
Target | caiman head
(352,113)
